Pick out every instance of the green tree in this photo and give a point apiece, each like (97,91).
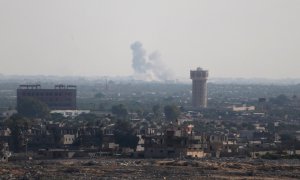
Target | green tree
(32,108)
(280,100)
(125,135)
(288,140)
(57,117)
(247,126)
(182,109)
(156,110)
(18,126)
(87,117)
(171,112)
(120,111)
(140,112)
(99,95)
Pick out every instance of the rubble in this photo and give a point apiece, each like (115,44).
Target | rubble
(108,168)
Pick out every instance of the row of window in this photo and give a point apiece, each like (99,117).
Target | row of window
(60,105)
(56,99)
(46,94)
(162,151)
(69,139)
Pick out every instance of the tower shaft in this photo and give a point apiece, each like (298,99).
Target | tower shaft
(199,88)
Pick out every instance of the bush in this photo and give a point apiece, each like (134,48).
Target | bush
(270,156)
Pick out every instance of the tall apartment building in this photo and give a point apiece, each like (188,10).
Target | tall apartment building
(62,97)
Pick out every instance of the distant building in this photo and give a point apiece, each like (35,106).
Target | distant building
(243,108)
(174,143)
(60,98)
(67,139)
(70,113)
(199,89)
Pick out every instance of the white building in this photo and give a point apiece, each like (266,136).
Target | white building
(70,113)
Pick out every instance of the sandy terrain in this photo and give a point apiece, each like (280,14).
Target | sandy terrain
(104,168)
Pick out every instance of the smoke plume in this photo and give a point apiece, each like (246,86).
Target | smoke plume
(149,68)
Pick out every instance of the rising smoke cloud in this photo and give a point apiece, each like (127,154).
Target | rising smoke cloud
(148,68)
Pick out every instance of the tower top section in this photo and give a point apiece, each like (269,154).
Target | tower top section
(199,74)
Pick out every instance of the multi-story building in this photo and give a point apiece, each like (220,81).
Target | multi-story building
(60,98)
(175,142)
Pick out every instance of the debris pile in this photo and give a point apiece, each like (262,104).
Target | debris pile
(150,169)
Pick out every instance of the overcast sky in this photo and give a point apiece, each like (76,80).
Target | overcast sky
(230,38)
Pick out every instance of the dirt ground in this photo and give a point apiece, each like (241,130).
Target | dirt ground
(108,168)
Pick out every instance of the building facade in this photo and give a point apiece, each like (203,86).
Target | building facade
(60,98)
(199,87)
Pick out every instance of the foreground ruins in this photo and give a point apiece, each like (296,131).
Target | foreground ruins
(108,168)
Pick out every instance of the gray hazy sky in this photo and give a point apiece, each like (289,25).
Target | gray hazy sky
(231,38)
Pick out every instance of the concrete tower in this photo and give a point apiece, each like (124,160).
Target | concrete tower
(199,90)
